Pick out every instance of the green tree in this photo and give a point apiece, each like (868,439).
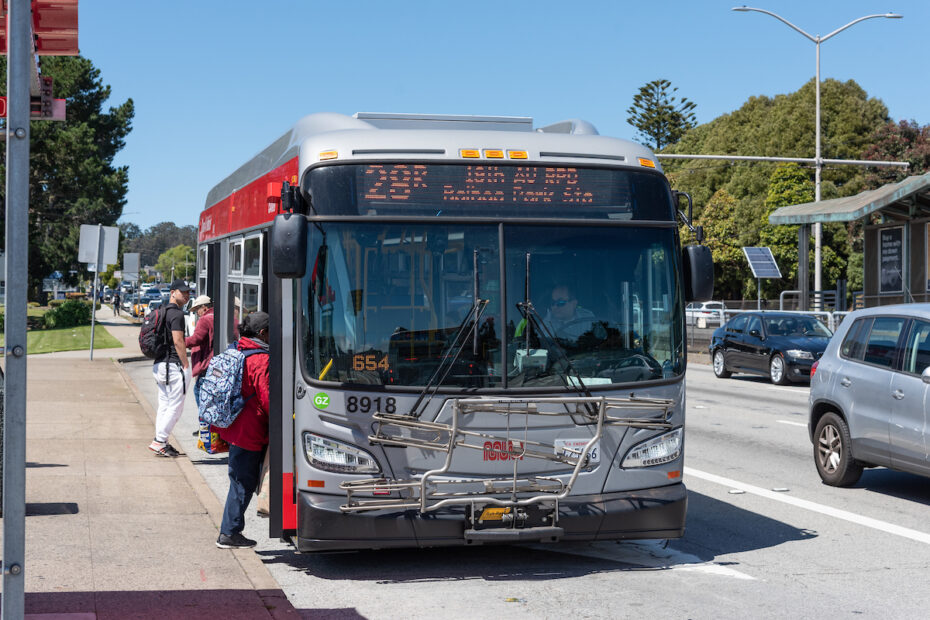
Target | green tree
(179,261)
(660,118)
(903,141)
(720,231)
(789,185)
(72,179)
(157,239)
(782,126)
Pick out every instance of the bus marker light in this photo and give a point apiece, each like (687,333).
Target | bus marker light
(494,153)
(674,474)
(332,155)
(517,154)
(469,153)
(316,484)
(648,163)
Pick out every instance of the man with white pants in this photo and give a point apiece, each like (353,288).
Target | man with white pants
(172,372)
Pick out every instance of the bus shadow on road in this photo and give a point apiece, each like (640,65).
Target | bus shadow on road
(716,528)
(486,563)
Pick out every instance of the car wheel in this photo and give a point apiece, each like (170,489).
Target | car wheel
(720,367)
(778,372)
(832,453)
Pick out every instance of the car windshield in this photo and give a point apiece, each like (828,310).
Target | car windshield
(389,304)
(796,326)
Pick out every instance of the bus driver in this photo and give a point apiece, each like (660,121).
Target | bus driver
(565,318)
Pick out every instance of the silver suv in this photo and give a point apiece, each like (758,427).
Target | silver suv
(870,397)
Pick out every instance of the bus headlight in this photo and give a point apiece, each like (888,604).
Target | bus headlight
(331,455)
(656,451)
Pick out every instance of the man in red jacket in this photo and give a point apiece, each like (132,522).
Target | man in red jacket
(200,342)
(247,436)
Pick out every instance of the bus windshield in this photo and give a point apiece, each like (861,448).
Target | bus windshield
(382,303)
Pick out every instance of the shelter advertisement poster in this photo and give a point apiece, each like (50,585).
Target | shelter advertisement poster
(891,249)
(927,245)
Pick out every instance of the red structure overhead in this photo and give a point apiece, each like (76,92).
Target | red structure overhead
(54,26)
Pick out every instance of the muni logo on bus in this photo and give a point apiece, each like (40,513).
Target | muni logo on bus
(501,451)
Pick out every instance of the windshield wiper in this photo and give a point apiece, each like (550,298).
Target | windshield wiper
(463,333)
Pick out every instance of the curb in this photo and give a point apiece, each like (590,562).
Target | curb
(252,566)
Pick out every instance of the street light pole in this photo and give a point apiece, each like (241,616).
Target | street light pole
(818,160)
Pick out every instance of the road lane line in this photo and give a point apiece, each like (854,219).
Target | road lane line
(792,423)
(852,517)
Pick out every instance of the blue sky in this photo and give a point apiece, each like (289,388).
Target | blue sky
(216,81)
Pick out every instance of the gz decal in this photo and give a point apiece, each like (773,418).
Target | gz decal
(502,451)
(321,400)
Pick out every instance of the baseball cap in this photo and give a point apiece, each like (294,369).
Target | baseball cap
(202,300)
(180,285)
(257,321)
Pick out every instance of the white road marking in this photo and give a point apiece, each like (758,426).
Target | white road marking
(852,517)
(792,423)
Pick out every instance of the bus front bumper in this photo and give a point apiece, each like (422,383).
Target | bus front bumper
(649,513)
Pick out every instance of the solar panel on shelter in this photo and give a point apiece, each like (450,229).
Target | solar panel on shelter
(762,262)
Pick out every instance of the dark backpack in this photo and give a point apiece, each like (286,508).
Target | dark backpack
(153,337)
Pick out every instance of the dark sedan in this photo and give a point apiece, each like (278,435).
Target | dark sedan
(780,345)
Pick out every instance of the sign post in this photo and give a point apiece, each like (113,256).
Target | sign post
(98,248)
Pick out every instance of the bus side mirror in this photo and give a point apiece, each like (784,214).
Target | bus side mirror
(291,199)
(289,246)
(698,266)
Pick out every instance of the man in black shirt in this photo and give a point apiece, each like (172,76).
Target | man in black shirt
(172,372)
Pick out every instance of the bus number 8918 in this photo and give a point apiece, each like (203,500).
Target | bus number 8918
(364,404)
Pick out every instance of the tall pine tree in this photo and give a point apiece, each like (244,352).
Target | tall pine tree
(72,179)
(660,118)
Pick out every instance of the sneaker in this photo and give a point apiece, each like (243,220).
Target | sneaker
(236,541)
(166,449)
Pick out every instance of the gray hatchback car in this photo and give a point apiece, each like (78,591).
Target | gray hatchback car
(870,395)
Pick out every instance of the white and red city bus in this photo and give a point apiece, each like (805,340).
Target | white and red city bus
(477,329)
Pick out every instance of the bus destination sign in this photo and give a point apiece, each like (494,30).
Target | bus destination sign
(483,184)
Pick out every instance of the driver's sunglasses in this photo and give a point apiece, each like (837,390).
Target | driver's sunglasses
(558,303)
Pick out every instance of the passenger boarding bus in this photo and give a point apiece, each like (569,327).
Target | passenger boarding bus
(477,329)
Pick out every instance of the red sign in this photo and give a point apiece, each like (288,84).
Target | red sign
(55,26)
(57,110)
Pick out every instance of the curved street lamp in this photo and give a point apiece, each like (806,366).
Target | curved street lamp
(818,161)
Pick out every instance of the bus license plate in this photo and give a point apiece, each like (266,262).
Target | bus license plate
(572,448)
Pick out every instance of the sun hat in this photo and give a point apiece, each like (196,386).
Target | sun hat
(202,300)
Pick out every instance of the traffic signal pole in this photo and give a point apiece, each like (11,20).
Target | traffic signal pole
(19,67)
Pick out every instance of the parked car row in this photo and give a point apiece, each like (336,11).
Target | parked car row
(704,313)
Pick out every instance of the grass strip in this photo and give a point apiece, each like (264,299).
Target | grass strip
(68,339)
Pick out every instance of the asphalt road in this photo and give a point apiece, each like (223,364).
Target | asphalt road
(765,539)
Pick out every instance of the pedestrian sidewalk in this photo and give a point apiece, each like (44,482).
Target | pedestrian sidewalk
(112,531)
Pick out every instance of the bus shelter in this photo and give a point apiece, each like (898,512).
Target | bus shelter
(896,248)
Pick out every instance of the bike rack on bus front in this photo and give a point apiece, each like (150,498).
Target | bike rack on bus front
(425,494)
